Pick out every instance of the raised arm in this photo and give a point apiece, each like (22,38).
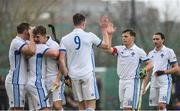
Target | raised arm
(107,29)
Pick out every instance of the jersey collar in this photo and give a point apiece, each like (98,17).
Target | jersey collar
(78,29)
(131,48)
(161,50)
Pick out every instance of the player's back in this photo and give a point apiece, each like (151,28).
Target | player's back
(51,66)
(78,46)
(18,63)
(37,67)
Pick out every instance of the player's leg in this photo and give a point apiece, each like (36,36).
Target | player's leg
(121,92)
(164,96)
(38,93)
(58,97)
(82,105)
(31,103)
(90,92)
(153,96)
(131,95)
(16,95)
(77,92)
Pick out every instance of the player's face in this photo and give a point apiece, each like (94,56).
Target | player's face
(158,41)
(127,39)
(26,34)
(37,39)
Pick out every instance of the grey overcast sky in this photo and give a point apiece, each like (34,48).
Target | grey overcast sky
(170,7)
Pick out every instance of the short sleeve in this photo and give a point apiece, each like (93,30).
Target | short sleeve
(19,44)
(43,48)
(143,55)
(62,46)
(172,57)
(95,40)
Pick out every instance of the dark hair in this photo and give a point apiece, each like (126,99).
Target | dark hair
(21,27)
(160,34)
(78,18)
(131,32)
(39,30)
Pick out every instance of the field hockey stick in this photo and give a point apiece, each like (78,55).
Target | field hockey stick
(141,94)
(51,91)
(53,32)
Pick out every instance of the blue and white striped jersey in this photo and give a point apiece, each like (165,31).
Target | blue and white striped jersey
(37,66)
(18,63)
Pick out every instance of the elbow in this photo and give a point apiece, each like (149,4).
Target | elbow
(56,54)
(32,52)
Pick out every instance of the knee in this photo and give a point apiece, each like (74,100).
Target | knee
(162,106)
(57,105)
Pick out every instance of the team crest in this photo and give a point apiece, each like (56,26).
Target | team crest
(162,55)
(132,53)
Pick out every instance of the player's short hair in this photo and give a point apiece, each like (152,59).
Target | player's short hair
(131,32)
(78,18)
(39,30)
(160,34)
(21,27)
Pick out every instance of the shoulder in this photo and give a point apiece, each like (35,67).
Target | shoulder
(138,49)
(119,47)
(68,36)
(52,43)
(151,52)
(17,43)
(40,46)
(169,51)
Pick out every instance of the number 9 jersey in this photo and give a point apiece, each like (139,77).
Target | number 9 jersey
(78,46)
